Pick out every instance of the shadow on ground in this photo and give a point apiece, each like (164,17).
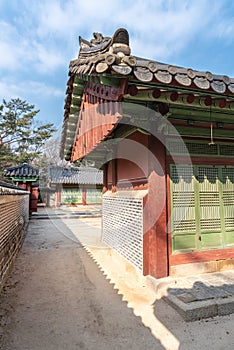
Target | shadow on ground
(209,310)
(57,298)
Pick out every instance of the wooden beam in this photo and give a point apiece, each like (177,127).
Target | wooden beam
(178,97)
(186,130)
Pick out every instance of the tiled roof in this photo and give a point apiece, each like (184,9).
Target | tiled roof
(6,188)
(75,175)
(113,55)
(105,71)
(22,171)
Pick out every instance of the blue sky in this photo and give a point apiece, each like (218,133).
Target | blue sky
(39,38)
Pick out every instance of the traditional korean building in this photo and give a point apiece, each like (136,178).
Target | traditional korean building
(164,137)
(26,177)
(75,185)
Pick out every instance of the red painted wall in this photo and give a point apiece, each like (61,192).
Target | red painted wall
(135,149)
(146,162)
(128,172)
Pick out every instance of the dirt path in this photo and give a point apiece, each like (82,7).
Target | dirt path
(62,297)
(57,298)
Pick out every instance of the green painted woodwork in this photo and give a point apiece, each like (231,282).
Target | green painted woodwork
(200,148)
(199,131)
(202,207)
(183,223)
(27,179)
(72,124)
(74,195)
(93,195)
(77,89)
(185,243)
(98,79)
(74,109)
(105,79)
(76,100)
(178,107)
(109,80)
(71,195)
(201,114)
(228,202)
(78,80)
(91,78)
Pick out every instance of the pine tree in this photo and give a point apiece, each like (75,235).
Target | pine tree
(21,138)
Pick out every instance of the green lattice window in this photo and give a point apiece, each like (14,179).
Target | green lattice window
(71,195)
(202,207)
(93,196)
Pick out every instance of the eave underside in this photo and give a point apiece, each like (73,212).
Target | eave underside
(191,114)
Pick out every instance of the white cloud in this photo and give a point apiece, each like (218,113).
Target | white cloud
(9,89)
(55,19)
(225,29)
(11,47)
(163,27)
(42,89)
(47,59)
(21,53)
(45,35)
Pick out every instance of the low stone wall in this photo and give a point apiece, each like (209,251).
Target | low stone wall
(14,216)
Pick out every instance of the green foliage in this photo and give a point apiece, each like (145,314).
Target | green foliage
(21,138)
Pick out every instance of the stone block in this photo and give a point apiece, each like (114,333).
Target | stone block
(225,306)
(195,310)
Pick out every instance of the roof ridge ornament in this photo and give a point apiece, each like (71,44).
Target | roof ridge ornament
(103,53)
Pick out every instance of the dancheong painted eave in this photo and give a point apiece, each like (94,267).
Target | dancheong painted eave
(106,70)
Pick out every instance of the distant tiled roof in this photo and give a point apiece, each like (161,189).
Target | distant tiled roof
(75,175)
(24,171)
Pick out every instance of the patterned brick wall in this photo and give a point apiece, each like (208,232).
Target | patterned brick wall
(14,209)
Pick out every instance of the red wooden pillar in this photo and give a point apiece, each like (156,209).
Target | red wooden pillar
(22,185)
(84,201)
(105,178)
(114,174)
(155,252)
(33,199)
